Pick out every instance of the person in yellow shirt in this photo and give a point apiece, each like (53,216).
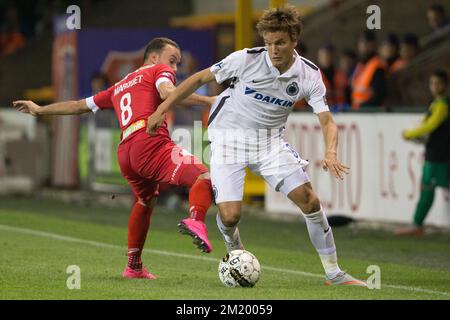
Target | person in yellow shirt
(435,132)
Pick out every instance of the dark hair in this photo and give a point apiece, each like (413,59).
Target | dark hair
(328,47)
(349,53)
(411,39)
(437,8)
(157,44)
(441,74)
(284,19)
(101,76)
(392,39)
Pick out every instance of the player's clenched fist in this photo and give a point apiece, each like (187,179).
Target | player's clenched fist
(26,106)
(330,162)
(154,122)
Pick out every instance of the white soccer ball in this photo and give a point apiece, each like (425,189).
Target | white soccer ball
(239,268)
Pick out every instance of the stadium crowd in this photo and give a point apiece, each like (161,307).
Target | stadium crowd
(356,78)
(24,20)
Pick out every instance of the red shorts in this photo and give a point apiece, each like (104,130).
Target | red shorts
(147,160)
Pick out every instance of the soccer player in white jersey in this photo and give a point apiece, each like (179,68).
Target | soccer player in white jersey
(246,125)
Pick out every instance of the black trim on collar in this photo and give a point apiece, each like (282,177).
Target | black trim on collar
(310,64)
(256,51)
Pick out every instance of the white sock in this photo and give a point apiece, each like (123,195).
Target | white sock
(317,224)
(229,233)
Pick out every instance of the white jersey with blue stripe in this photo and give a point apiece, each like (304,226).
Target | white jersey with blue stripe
(260,97)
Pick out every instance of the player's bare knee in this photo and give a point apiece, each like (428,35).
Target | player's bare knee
(307,201)
(230,218)
(313,205)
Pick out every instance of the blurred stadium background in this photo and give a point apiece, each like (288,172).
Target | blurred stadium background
(72,160)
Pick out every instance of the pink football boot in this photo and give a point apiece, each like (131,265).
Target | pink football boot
(137,274)
(198,231)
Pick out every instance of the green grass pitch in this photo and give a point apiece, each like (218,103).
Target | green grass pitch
(39,239)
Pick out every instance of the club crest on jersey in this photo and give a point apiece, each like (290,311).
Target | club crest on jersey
(265,98)
(292,89)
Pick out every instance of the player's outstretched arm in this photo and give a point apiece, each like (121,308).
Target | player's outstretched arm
(330,132)
(59,108)
(185,89)
(165,89)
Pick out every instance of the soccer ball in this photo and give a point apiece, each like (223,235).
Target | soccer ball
(239,268)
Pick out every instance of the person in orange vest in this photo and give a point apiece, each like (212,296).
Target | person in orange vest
(409,48)
(369,78)
(10,39)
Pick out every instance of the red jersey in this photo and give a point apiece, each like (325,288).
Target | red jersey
(136,96)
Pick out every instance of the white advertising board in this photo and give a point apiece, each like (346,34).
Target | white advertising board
(384,182)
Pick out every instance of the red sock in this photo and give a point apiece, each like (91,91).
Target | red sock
(137,233)
(200,199)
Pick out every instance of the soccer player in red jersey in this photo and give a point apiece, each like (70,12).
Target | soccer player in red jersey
(147,160)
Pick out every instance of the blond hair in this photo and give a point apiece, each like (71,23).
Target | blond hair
(285,19)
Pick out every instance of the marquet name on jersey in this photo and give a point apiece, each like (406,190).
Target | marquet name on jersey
(127,85)
(262,97)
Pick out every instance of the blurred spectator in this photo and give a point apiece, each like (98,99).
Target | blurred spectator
(342,80)
(409,48)
(439,24)
(106,119)
(325,60)
(369,78)
(437,19)
(99,82)
(11,38)
(187,116)
(390,53)
(434,131)
(45,10)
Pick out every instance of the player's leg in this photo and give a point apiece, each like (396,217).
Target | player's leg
(198,180)
(320,233)
(227,221)
(319,230)
(228,188)
(145,192)
(196,177)
(283,170)
(138,226)
(433,174)
(171,164)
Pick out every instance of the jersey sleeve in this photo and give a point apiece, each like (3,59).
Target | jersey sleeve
(231,66)
(317,95)
(101,100)
(163,74)
(439,113)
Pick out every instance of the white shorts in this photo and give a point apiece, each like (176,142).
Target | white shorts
(281,167)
